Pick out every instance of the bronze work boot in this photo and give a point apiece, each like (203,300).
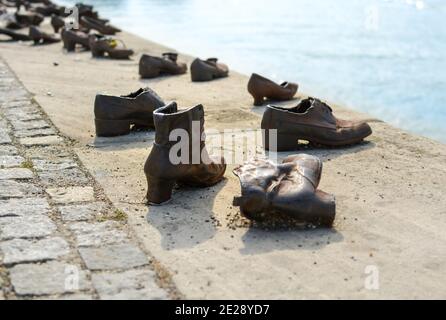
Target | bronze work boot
(311,120)
(261,88)
(99,45)
(167,164)
(288,189)
(40,37)
(71,38)
(115,116)
(207,70)
(152,67)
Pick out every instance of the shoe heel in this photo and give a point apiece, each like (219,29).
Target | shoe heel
(279,142)
(111,128)
(159,191)
(258,101)
(70,46)
(97,53)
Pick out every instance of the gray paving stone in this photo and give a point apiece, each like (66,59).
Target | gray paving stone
(68,177)
(35,132)
(51,165)
(112,257)
(24,207)
(8,150)
(13,189)
(41,141)
(74,296)
(98,234)
(26,113)
(16,173)
(128,285)
(47,153)
(81,212)
(23,251)
(17,103)
(71,194)
(47,279)
(35,226)
(30,125)
(11,161)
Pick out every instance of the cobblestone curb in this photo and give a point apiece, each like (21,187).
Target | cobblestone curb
(59,235)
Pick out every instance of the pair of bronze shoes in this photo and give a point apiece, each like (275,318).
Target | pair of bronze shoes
(153,67)
(287,190)
(201,70)
(101,45)
(144,109)
(311,120)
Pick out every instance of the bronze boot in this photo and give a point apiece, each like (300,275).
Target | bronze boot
(115,116)
(167,164)
(261,88)
(311,120)
(207,70)
(152,67)
(288,189)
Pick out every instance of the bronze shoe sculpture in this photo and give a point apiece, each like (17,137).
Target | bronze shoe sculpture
(115,116)
(207,70)
(57,23)
(71,38)
(288,189)
(195,168)
(311,120)
(152,67)
(260,88)
(16,36)
(29,18)
(98,25)
(40,37)
(100,45)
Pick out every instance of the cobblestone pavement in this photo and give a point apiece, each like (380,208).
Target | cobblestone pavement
(60,237)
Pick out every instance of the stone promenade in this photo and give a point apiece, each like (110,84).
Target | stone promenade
(60,237)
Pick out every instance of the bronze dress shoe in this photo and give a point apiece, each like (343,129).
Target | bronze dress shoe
(98,25)
(16,36)
(29,18)
(288,189)
(260,88)
(311,120)
(40,37)
(115,116)
(100,45)
(195,168)
(207,70)
(152,67)
(71,38)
